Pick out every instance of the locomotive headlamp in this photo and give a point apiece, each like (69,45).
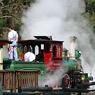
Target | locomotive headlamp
(82,78)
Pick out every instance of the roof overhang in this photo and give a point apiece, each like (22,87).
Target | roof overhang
(3,42)
(40,41)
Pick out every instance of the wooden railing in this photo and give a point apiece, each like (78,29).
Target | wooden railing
(12,79)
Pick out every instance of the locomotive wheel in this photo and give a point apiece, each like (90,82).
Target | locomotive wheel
(66,81)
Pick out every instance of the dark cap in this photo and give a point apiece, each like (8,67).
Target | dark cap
(30,49)
(11,26)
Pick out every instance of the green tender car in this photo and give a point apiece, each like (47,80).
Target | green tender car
(21,65)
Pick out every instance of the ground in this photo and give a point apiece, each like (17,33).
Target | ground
(91,93)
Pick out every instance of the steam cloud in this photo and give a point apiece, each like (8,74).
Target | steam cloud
(54,79)
(61,19)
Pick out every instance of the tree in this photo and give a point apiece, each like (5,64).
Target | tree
(11,13)
(90,12)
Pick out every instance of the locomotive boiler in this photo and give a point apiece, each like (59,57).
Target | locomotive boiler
(50,56)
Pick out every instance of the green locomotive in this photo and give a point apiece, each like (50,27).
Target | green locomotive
(50,56)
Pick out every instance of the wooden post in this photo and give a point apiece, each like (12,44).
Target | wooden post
(36,79)
(1,57)
(0,86)
(14,81)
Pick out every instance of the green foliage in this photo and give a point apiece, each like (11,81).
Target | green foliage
(19,51)
(11,13)
(90,12)
(2,22)
(90,6)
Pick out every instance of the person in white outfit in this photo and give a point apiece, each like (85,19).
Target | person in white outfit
(13,37)
(29,56)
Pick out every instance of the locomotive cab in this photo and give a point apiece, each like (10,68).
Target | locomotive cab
(48,55)
(48,51)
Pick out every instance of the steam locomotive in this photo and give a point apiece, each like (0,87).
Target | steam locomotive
(50,56)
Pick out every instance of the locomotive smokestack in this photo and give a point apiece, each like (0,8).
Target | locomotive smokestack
(72,50)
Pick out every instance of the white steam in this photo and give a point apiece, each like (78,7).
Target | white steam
(54,79)
(61,19)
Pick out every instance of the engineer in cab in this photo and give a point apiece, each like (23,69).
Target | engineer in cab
(29,56)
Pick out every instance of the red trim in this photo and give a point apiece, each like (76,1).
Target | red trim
(23,56)
(23,59)
(61,51)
